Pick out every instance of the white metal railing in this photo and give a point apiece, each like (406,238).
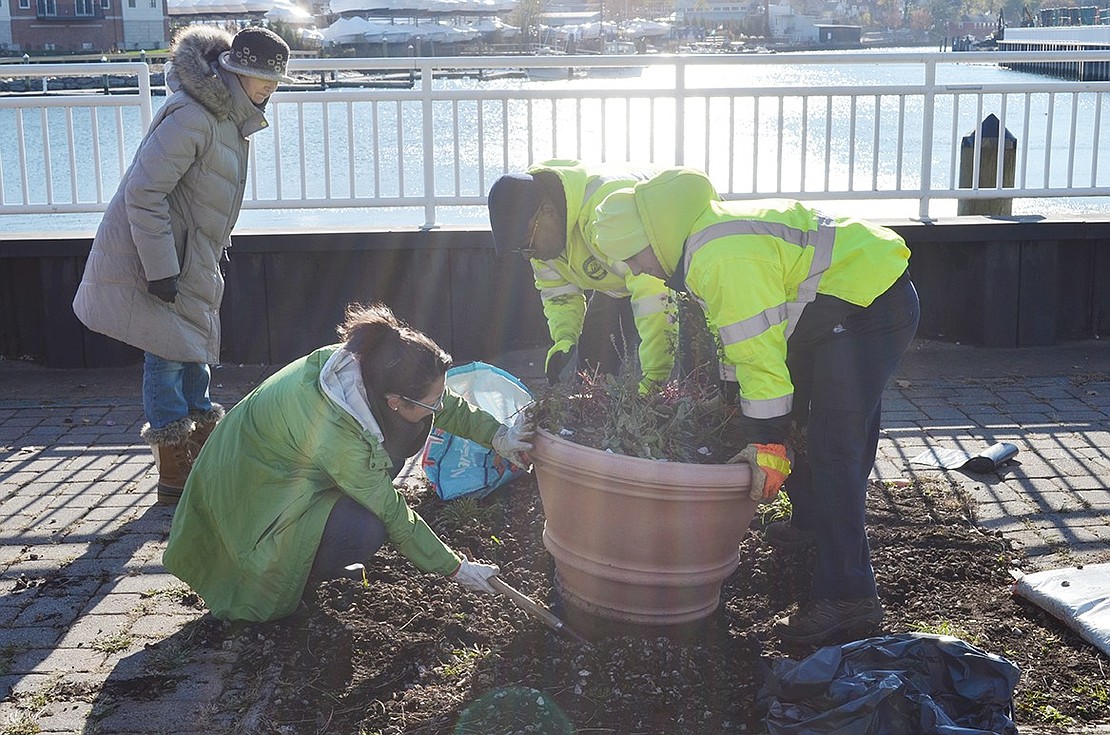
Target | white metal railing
(813,126)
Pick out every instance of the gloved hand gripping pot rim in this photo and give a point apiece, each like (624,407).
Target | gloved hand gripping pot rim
(770,467)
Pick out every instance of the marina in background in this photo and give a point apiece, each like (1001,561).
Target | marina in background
(848,129)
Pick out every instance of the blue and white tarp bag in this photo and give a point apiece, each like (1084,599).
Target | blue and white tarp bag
(459,467)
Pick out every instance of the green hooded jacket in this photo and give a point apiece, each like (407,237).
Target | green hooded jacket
(755,266)
(563,281)
(246,531)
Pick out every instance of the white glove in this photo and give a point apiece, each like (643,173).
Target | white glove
(514,441)
(475,575)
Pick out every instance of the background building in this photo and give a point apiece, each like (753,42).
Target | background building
(89,26)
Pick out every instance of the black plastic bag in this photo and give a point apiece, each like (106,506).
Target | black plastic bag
(911,683)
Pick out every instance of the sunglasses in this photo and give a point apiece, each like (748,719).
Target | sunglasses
(529,250)
(438,406)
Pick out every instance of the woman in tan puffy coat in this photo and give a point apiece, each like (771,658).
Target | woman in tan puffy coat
(153,278)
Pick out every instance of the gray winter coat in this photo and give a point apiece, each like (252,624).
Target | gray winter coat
(174,211)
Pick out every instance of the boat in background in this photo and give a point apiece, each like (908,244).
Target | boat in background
(618,47)
(551,73)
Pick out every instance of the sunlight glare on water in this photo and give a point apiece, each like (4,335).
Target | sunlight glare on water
(809,151)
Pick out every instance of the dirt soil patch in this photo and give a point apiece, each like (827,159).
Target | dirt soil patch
(408,653)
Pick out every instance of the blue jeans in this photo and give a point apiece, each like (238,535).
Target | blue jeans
(172,390)
(838,382)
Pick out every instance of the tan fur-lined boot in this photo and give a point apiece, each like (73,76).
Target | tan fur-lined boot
(204,423)
(170,445)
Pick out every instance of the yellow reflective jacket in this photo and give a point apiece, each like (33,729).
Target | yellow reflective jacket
(755,266)
(563,281)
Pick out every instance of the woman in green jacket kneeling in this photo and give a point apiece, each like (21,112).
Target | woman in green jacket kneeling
(296,483)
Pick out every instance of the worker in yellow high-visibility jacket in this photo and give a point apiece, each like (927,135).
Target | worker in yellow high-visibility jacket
(594,309)
(813,314)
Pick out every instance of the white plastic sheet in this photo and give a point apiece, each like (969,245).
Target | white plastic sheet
(987,460)
(1078,596)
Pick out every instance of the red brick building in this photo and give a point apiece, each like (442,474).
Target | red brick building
(83,26)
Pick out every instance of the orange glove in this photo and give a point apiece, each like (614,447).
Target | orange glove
(770,468)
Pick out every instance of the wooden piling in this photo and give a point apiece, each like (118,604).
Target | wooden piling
(987,138)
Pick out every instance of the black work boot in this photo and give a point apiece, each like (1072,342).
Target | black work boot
(822,620)
(785,535)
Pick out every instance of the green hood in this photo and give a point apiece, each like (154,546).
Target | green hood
(669,205)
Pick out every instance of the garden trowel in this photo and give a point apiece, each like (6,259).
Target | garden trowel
(533,608)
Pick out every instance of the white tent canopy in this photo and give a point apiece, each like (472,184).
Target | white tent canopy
(417,7)
(364,30)
(587,31)
(283,10)
(290,11)
(493,25)
(640,28)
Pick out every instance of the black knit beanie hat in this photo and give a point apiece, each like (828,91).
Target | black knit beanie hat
(257,52)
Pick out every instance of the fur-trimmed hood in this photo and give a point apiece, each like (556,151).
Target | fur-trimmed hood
(174,210)
(194,67)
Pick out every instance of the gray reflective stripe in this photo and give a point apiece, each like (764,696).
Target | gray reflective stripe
(646,305)
(551,293)
(821,240)
(596,182)
(767,409)
(544,271)
(753,326)
(591,188)
(792,235)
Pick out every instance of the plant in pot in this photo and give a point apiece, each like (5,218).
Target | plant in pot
(643,514)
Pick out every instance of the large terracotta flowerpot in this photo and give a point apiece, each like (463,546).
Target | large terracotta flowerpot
(638,541)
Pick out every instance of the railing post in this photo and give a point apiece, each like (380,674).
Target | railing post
(146,103)
(987,140)
(680,112)
(429,163)
(927,112)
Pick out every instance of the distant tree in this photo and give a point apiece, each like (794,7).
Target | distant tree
(889,14)
(527,15)
(286,32)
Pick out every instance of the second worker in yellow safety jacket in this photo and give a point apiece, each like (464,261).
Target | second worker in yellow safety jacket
(594,309)
(813,313)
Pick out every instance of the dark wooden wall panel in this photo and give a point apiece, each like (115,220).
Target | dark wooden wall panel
(1038,303)
(1076,278)
(245,311)
(494,303)
(315,289)
(984,281)
(968,291)
(1100,306)
(22,329)
(64,336)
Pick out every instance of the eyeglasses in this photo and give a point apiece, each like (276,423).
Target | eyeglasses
(438,406)
(529,250)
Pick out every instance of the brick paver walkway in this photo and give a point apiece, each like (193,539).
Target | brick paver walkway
(83,592)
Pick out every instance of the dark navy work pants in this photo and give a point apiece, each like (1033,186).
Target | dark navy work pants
(839,375)
(608,333)
(352,535)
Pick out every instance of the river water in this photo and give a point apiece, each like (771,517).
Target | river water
(760,75)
